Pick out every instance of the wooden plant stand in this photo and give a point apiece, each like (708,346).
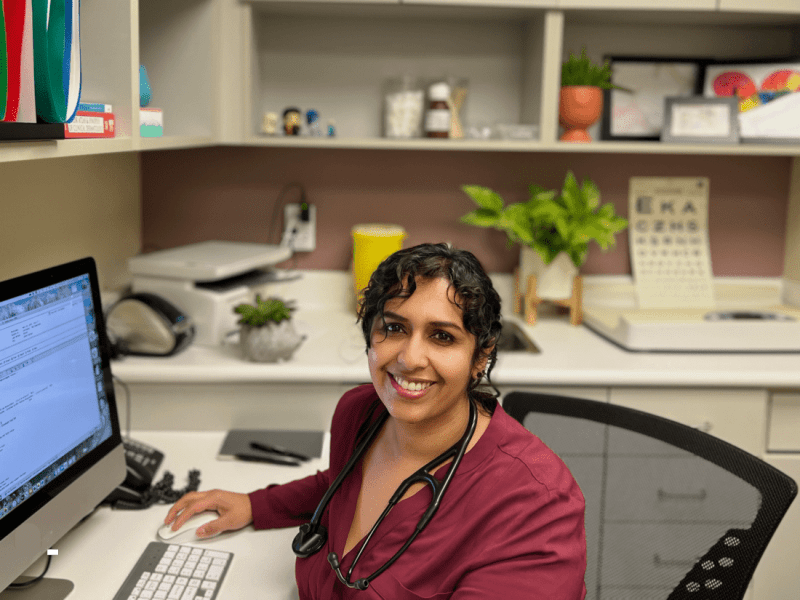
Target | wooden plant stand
(527,302)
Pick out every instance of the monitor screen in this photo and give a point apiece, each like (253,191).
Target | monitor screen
(60,445)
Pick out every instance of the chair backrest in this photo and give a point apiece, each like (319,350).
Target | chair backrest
(671,512)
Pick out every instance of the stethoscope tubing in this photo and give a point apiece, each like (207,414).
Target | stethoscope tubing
(422,475)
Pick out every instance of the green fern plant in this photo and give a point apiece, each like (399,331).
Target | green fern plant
(580,70)
(550,222)
(271,310)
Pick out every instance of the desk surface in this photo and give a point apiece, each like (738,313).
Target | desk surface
(98,554)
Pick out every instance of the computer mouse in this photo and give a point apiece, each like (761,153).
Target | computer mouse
(186,533)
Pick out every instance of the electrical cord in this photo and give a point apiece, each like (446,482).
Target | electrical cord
(30,582)
(161,492)
(277,207)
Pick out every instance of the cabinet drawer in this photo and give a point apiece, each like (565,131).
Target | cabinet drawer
(566,435)
(654,555)
(783,431)
(737,416)
(655,488)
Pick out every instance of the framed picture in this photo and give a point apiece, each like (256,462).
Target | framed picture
(768,96)
(701,120)
(636,110)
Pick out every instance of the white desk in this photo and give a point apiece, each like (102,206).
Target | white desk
(99,553)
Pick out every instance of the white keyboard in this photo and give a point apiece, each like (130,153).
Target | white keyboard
(175,572)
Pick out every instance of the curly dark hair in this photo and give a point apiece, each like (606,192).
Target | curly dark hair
(396,277)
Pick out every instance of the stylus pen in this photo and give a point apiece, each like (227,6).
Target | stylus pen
(274,460)
(278,450)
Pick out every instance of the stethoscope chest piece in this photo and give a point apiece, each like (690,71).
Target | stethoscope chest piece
(309,540)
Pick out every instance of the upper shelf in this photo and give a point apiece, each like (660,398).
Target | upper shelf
(217,65)
(600,147)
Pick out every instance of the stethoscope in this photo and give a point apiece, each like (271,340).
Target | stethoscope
(313,536)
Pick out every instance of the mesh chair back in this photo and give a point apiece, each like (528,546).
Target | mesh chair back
(671,512)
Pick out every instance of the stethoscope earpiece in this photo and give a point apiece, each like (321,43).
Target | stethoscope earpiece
(308,542)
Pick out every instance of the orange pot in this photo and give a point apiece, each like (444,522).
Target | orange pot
(580,107)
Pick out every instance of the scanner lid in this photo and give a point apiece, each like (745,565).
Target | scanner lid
(207,261)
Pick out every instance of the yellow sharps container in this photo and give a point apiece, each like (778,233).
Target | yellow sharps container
(372,242)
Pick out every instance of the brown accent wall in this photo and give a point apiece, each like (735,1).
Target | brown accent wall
(229,193)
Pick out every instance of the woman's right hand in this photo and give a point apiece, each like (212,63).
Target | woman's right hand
(233,508)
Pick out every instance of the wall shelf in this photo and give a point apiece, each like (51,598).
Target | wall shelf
(217,65)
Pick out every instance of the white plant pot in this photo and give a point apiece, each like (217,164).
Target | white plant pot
(553,281)
(269,343)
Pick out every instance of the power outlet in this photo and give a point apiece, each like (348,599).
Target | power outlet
(300,235)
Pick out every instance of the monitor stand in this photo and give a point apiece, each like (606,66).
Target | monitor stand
(45,589)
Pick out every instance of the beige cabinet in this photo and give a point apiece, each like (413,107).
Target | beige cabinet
(734,415)
(737,416)
(640,4)
(778,574)
(762,6)
(187,406)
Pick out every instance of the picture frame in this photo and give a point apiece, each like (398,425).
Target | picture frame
(636,111)
(768,94)
(701,120)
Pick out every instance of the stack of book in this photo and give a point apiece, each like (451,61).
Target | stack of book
(91,120)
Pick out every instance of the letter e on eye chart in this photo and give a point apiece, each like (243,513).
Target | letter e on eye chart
(669,243)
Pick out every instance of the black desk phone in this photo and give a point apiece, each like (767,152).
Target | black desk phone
(142,462)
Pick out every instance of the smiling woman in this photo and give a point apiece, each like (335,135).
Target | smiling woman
(433,491)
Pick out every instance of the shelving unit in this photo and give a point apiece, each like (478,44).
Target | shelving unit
(217,65)
(335,57)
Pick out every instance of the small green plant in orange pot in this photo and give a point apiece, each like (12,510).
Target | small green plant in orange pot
(581,102)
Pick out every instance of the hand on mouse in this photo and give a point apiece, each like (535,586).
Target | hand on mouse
(233,508)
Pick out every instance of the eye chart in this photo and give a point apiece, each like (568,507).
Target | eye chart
(669,244)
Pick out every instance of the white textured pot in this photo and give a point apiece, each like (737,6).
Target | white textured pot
(271,342)
(553,281)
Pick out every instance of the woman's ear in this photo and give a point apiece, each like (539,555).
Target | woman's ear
(482,362)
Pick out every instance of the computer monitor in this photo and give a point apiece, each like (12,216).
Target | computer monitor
(61,452)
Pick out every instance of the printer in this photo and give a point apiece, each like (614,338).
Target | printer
(207,280)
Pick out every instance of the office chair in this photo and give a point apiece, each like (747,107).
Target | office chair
(672,513)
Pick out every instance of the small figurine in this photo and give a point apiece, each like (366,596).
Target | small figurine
(331,128)
(270,123)
(291,121)
(145,92)
(312,118)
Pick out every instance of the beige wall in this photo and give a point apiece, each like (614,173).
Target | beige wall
(57,210)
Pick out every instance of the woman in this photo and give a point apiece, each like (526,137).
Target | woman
(510,524)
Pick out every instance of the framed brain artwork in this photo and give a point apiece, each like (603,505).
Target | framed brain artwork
(768,95)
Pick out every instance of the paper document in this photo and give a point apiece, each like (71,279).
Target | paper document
(777,119)
(669,244)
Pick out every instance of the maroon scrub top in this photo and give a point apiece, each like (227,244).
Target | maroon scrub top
(510,524)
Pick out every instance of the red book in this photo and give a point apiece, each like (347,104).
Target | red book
(90,125)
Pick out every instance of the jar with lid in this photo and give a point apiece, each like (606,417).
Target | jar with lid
(437,117)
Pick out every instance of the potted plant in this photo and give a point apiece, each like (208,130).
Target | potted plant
(581,102)
(554,229)
(267,333)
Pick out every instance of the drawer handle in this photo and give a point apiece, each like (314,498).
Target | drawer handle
(697,496)
(660,562)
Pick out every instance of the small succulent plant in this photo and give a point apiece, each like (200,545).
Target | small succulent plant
(271,310)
